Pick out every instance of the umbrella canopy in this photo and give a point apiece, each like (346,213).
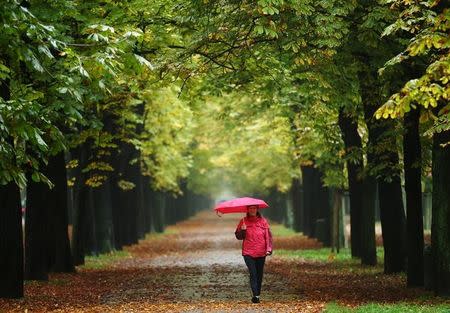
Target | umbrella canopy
(239,205)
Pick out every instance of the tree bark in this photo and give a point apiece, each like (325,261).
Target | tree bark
(47,246)
(440,227)
(355,167)
(316,205)
(80,205)
(60,255)
(102,209)
(37,231)
(308,197)
(390,198)
(159,204)
(11,243)
(174,209)
(382,150)
(413,169)
(368,247)
(140,205)
(118,204)
(130,198)
(117,211)
(90,243)
(297,205)
(148,215)
(79,228)
(322,210)
(335,224)
(393,225)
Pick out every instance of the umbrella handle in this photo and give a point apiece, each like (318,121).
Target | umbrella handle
(219,215)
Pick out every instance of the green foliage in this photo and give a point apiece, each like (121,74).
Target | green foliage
(233,94)
(319,143)
(73,66)
(28,133)
(167,138)
(428,25)
(242,149)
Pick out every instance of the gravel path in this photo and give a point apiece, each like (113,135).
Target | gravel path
(205,274)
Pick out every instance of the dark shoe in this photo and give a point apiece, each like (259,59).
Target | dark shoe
(255,299)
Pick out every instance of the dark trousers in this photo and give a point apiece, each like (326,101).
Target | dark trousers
(255,268)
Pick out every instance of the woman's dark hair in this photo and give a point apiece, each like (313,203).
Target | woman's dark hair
(257,214)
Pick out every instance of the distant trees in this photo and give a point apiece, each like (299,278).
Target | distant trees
(77,94)
(336,74)
(424,98)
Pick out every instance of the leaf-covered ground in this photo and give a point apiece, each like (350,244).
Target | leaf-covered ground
(197,267)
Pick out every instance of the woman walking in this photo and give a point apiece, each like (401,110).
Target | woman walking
(257,244)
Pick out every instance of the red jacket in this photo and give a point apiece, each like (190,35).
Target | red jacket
(257,239)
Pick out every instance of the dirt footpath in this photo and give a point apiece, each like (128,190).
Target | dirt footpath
(200,270)
(197,267)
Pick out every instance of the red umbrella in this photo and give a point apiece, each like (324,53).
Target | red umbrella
(239,205)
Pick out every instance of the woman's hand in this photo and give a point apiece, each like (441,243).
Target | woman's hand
(243,226)
(269,253)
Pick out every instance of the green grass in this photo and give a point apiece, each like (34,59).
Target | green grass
(325,254)
(322,254)
(389,308)
(279,230)
(167,231)
(104,260)
(339,261)
(53,281)
(342,260)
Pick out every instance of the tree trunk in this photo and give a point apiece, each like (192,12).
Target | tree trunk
(322,210)
(353,146)
(335,224)
(130,198)
(159,205)
(368,247)
(80,204)
(102,209)
(37,231)
(47,244)
(393,225)
(147,204)
(11,243)
(91,243)
(413,169)
(368,244)
(117,211)
(60,255)
(140,206)
(118,205)
(440,227)
(174,209)
(297,206)
(79,228)
(382,151)
(308,197)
